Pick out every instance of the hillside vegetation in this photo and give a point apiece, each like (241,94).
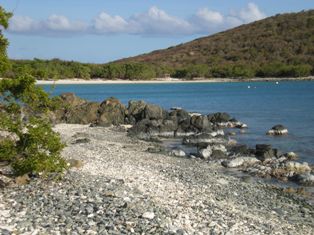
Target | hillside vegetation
(279,46)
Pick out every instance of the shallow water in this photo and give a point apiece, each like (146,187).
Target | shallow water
(261,106)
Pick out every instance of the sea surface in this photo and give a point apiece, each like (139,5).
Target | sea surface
(261,105)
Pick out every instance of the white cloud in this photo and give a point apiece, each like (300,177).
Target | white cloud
(104,23)
(153,22)
(156,21)
(249,14)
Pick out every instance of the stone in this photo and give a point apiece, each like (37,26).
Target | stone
(205,153)
(218,154)
(70,99)
(240,161)
(135,111)
(75,163)
(201,122)
(152,111)
(240,149)
(111,112)
(291,156)
(297,167)
(278,130)
(219,117)
(21,180)
(264,152)
(82,114)
(148,215)
(305,179)
(177,153)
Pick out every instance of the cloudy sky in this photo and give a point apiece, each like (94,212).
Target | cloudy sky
(104,30)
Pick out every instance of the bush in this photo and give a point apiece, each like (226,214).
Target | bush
(38,148)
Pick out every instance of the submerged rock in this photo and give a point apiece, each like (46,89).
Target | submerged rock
(278,130)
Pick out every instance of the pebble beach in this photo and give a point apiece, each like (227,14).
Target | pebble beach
(117,187)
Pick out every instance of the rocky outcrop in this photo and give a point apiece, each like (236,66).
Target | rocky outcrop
(278,130)
(83,114)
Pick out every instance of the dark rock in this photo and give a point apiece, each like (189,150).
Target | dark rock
(278,130)
(111,112)
(135,111)
(182,118)
(240,149)
(156,149)
(70,99)
(152,111)
(201,122)
(218,154)
(82,114)
(264,152)
(144,129)
(219,117)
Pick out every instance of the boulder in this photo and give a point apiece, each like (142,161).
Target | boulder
(219,117)
(240,149)
(152,111)
(264,152)
(135,111)
(82,114)
(206,152)
(291,156)
(218,154)
(111,112)
(240,161)
(297,167)
(144,129)
(70,99)
(305,179)
(278,130)
(182,118)
(200,122)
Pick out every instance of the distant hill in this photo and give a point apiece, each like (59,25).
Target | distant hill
(279,46)
(282,39)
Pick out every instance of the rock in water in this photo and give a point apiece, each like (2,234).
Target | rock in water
(278,130)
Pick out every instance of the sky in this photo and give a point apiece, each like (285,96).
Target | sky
(99,31)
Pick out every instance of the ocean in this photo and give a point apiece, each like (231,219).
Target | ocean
(260,105)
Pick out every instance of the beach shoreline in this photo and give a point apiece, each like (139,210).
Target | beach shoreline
(164,81)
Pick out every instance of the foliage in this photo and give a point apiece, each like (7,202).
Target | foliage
(4,62)
(32,145)
(278,46)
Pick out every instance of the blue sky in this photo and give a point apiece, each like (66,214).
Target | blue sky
(100,31)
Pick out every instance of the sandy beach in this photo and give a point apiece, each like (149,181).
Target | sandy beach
(123,189)
(161,80)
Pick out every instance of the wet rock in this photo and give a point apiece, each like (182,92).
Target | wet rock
(291,156)
(278,130)
(305,179)
(240,149)
(264,152)
(201,122)
(240,161)
(111,112)
(219,117)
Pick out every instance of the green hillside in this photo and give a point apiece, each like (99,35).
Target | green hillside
(279,46)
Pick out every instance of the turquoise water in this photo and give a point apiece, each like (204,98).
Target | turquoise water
(261,106)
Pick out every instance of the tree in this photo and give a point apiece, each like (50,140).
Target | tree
(4,62)
(31,146)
